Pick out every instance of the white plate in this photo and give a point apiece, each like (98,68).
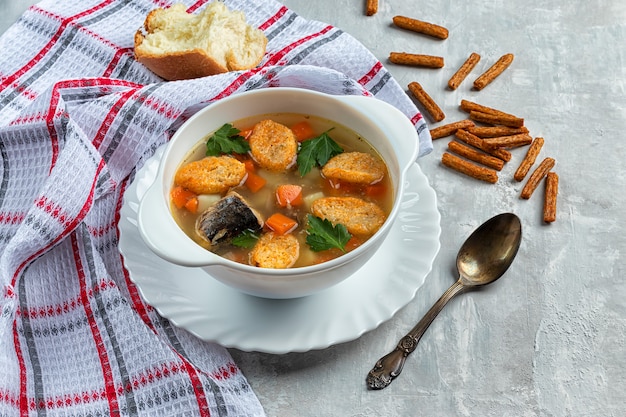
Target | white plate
(191,299)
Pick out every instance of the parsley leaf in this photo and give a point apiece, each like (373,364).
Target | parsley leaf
(246,239)
(316,151)
(323,235)
(226,140)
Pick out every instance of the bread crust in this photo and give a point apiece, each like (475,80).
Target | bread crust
(189,62)
(180,65)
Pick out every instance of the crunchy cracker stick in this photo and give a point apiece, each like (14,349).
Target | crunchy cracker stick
(477,142)
(529,159)
(497,119)
(429,104)
(496,69)
(469,168)
(420,26)
(511,141)
(549,201)
(417,60)
(533,181)
(496,131)
(450,128)
(476,156)
(371,7)
(469,106)
(462,73)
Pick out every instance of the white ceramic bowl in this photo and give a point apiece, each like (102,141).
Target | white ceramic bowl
(381,124)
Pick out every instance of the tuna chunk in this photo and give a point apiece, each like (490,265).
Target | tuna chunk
(227,218)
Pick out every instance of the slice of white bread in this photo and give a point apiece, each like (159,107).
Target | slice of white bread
(178,45)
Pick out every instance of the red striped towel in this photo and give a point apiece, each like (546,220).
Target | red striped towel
(78,117)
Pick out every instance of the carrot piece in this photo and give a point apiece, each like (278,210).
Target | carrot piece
(255,182)
(180,196)
(249,163)
(354,243)
(281,224)
(376,190)
(288,195)
(330,254)
(241,157)
(245,133)
(192,205)
(303,130)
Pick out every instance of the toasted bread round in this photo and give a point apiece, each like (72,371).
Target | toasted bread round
(354,167)
(273,146)
(275,251)
(211,175)
(178,45)
(360,217)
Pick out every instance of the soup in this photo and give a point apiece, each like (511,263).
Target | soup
(281,190)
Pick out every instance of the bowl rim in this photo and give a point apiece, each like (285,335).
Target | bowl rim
(347,100)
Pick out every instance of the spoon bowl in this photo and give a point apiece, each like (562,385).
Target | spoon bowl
(482,259)
(489,250)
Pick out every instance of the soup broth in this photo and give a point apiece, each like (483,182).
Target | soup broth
(313,185)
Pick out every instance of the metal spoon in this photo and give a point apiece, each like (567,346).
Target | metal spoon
(484,257)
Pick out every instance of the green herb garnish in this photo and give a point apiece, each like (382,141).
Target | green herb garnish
(226,140)
(322,235)
(316,151)
(246,239)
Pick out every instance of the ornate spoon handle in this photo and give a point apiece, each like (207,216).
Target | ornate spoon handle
(389,366)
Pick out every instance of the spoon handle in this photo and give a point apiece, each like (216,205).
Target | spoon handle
(389,366)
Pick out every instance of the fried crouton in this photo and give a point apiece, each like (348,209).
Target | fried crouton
(275,251)
(273,146)
(211,175)
(354,167)
(360,217)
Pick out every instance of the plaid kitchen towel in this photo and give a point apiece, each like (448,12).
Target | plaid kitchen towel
(78,117)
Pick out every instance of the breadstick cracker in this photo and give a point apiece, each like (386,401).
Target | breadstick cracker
(529,159)
(496,131)
(469,168)
(416,60)
(477,142)
(462,73)
(450,128)
(493,72)
(428,103)
(497,119)
(371,7)
(549,202)
(420,26)
(542,170)
(476,156)
(469,106)
(512,141)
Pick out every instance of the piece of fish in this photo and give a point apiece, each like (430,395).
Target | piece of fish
(227,218)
